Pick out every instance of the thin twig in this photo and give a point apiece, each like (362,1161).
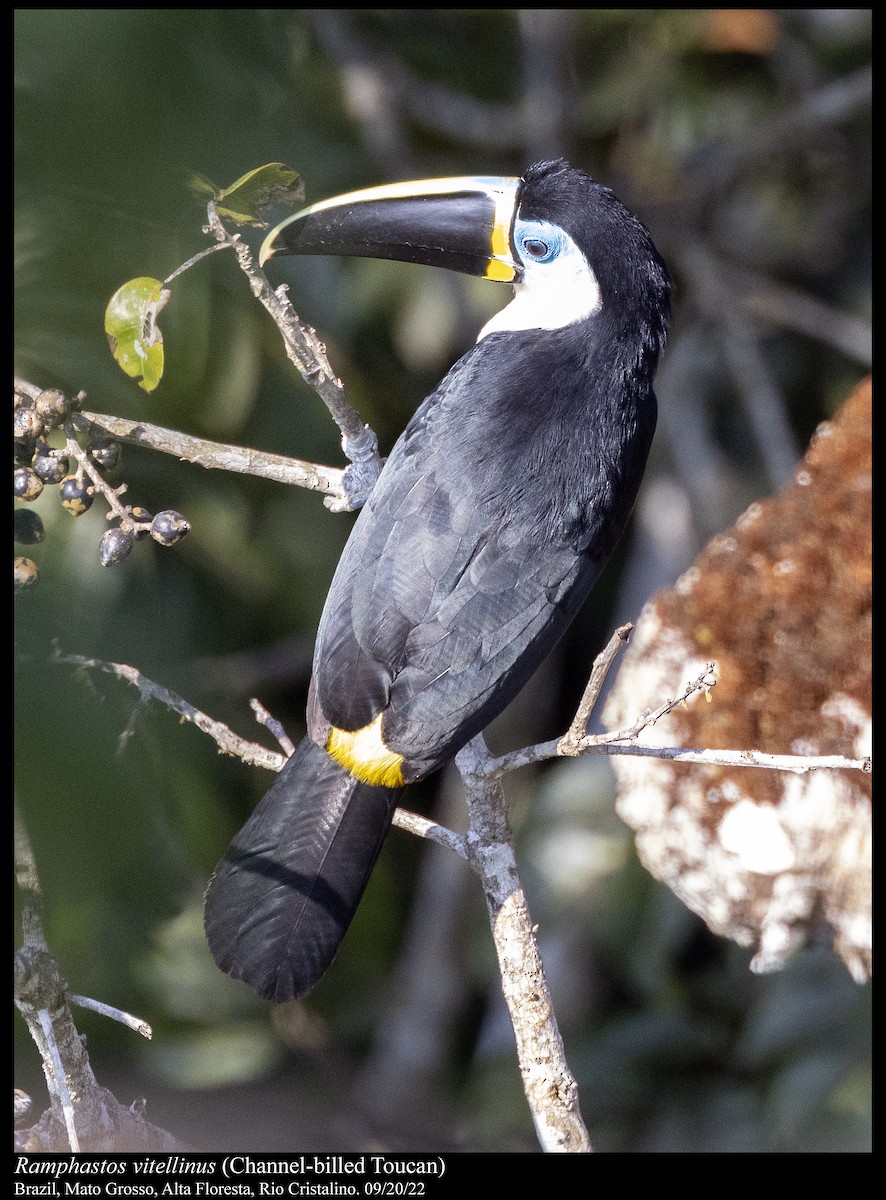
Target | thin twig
(273,726)
(227,741)
(217,455)
(251,753)
(194,259)
(703,683)
(602,664)
(85,466)
(422,827)
(622,742)
(308,354)
(115,1014)
(797,764)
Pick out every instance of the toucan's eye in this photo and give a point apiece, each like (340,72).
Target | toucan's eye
(536,248)
(537,241)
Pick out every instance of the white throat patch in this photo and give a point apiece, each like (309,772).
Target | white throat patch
(552,294)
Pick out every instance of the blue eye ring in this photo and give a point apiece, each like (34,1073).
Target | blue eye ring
(537,241)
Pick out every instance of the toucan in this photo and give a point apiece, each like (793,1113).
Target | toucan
(492,518)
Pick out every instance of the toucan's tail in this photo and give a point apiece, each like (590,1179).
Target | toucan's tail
(283,896)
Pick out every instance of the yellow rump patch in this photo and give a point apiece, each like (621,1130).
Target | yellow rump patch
(365,756)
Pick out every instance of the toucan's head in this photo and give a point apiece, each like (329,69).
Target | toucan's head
(570,248)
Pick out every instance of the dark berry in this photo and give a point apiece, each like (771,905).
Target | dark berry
(24,573)
(48,467)
(27,424)
(105,452)
(53,406)
(26,483)
(76,495)
(22,451)
(114,546)
(169,527)
(27,528)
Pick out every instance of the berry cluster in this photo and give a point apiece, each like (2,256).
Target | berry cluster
(36,464)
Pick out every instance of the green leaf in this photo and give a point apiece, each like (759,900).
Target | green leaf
(133,333)
(247,199)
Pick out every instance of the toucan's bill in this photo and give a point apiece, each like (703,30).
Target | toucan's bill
(463,223)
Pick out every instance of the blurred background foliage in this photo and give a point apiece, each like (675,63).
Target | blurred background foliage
(742,138)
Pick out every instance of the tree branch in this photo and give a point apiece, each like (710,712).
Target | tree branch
(550,1087)
(82,1114)
(577,731)
(308,354)
(217,456)
(228,742)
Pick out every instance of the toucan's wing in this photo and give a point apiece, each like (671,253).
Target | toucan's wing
(447,596)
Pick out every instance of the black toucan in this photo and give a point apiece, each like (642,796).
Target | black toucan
(489,524)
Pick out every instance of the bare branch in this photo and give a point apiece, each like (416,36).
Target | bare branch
(52,1064)
(82,1114)
(617,742)
(194,259)
(576,741)
(422,827)
(85,466)
(251,753)
(115,1014)
(704,683)
(218,456)
(798,764)
(308,354)
(344,488)
(273,725)
(602,664)
(227,741)
(622,741)
(550,1087)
